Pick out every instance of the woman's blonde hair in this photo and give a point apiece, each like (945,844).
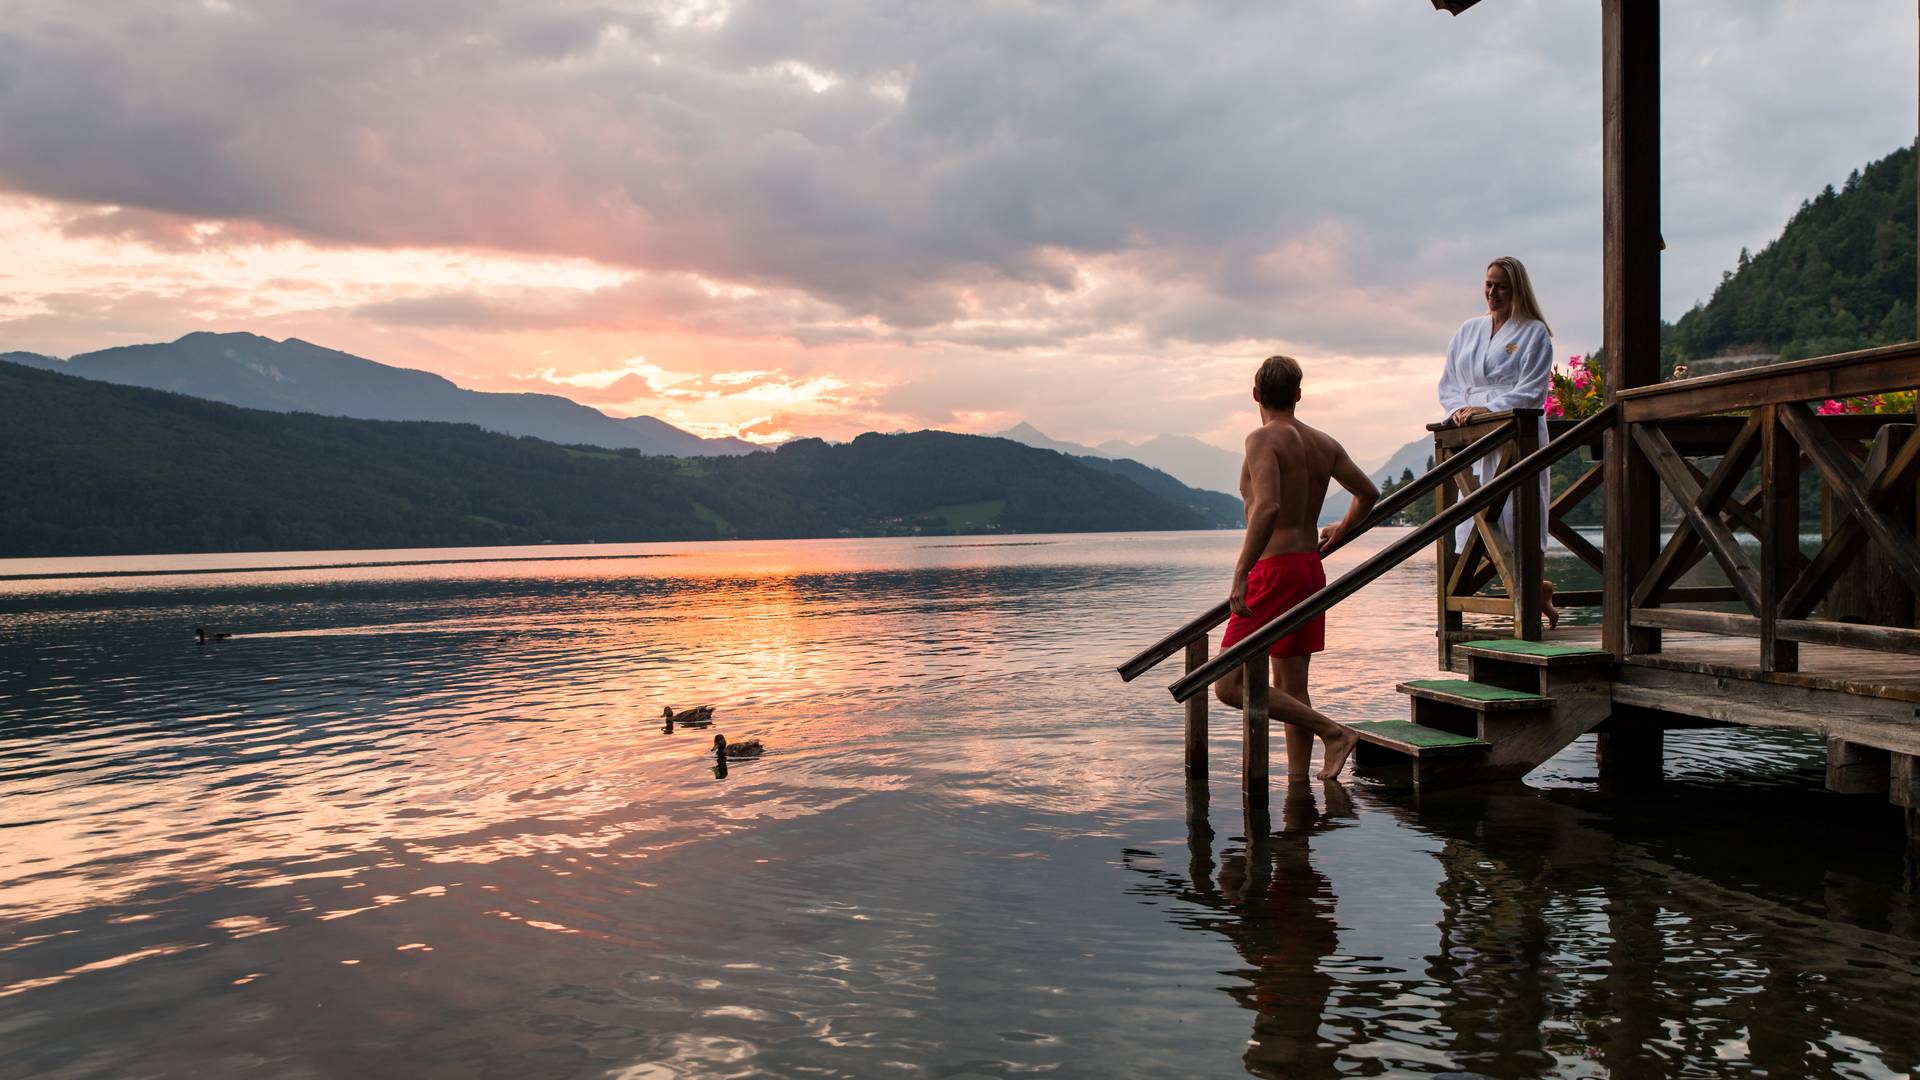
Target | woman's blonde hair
(1525,305)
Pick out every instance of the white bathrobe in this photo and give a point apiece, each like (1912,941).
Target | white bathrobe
(1511,369)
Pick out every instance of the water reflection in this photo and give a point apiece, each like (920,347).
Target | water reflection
(1562,944)
(428,812)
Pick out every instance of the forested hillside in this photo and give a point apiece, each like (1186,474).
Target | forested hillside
(95,468)
(1840,277)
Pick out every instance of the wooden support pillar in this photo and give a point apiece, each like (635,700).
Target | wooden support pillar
(1630,144)
(1199,836)
(1780,539)
(1529,540)
(1913,850)
(1903,780)
(1854,769)
(1197,715)
(1631,754)
(1253,752)
(1199,822)
(1903,788)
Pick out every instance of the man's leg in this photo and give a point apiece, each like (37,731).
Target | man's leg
(1229,689)
(1290,678)
(1288,710)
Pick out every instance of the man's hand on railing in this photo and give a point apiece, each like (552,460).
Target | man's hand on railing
(1332,535)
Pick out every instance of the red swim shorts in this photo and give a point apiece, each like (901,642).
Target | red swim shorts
(1275,584)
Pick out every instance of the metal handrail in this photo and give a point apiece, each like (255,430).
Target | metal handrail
(1383,510)
(1387,558)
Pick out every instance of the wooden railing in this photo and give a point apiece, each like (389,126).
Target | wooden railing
(1514,555)
(1867,495)
(1196,630)
(1250,652)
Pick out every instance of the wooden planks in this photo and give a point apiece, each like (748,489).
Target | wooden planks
(1472,695)
(1415,740)
(1537,653)
(1756,703)
(1885,639)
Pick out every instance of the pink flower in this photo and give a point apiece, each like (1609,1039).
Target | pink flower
(1831,408)
(1553,407)
(1580,380)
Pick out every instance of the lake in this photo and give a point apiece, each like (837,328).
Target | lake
(419,817)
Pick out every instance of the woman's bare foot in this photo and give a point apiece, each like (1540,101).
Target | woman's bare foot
(1546,605)
(1339,748)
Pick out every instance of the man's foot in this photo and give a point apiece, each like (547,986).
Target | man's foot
(1546,605)
(1339,748)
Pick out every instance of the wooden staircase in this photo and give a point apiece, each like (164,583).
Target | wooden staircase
(1521,703)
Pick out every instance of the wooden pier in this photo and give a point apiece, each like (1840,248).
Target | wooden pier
(1729,621)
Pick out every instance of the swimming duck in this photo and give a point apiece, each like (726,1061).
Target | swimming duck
(201,637)
(723,749)
(694,717)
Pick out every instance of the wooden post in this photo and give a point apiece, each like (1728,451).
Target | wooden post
(1903,789)
(1253,753)
(1780,542)
(1632,754)
(1854,769)
(1903,780)
(1199,825)
(1199,836)
(1529,539)
(1630,142)
(1197,715)
(1450,620)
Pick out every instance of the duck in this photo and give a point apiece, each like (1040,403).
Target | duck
(694,717)
(723,749)
(201,636)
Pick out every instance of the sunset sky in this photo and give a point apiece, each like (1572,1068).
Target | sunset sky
(774,218)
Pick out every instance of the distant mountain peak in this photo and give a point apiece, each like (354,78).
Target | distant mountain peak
(246,369)
(1193,462)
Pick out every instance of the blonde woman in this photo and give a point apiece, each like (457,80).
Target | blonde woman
(1498,361)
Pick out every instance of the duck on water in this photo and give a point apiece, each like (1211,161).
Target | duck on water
(724,750)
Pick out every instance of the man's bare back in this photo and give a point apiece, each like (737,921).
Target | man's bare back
(1283,482)
(1288,467)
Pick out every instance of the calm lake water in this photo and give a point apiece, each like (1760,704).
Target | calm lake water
(422,820)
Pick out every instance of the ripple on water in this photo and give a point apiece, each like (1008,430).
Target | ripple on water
(430,810)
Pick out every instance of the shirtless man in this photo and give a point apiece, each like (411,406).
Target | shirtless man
(1283,482)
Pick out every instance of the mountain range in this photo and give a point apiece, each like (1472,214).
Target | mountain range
(296,376)
(1186,459)
(98,469)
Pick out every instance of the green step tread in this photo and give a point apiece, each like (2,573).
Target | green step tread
(1464,688)
(1532,648)
(1400,733)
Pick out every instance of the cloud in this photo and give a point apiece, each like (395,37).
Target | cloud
(959,212)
